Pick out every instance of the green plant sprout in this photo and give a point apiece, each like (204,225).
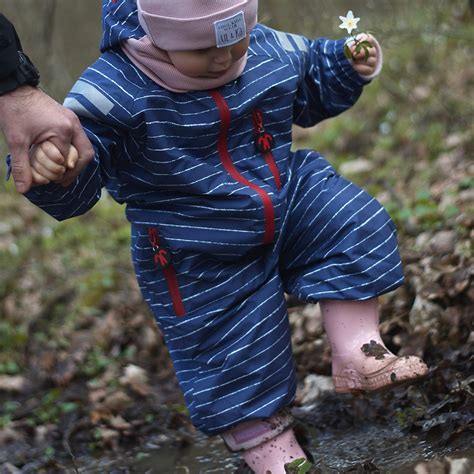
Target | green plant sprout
(298,466)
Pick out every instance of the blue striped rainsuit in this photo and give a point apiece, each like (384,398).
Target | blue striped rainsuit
(220,227)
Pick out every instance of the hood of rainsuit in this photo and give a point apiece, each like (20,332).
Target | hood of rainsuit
(119,22)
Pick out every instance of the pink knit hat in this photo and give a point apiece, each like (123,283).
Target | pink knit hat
(175,25)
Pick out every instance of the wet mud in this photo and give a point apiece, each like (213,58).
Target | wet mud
(374,349)
(341,433)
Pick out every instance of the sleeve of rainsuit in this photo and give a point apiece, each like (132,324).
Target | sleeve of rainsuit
(329,84)
(104,114)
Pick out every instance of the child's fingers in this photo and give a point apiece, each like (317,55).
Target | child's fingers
(48,164)
(48,161)
(44,170)
(361,55)
(366,37)
(73,156)
(364,70)
(38,180)
(51,151)
(371,61)
(365,67)
(366,52)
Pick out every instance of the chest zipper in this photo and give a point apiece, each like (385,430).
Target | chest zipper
(264,142)
(162,259)
(226,159)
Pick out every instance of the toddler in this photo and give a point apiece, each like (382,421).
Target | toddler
(190,110)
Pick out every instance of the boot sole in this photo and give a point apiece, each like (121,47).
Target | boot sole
(400,371)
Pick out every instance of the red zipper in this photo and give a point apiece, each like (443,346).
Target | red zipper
(264,144)
(162,259)
(268,210)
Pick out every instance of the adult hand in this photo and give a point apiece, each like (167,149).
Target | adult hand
(29,116)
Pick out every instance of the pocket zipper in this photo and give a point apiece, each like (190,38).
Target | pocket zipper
(162,259)
(264,142)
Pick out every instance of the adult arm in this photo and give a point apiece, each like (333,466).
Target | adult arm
(29,116)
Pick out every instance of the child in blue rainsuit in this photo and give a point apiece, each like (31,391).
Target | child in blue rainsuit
(190,110)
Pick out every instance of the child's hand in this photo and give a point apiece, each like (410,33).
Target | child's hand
(48,165)
(364,65)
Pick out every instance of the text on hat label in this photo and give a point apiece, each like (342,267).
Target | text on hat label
(230,30)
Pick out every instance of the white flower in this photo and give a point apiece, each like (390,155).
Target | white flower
(349,22)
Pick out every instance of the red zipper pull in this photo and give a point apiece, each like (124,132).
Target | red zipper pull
(161,256)
(162,259)
(263,140)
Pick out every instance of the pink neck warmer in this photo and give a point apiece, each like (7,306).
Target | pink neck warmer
(156,64)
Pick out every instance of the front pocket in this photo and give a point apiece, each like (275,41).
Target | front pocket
(162,259)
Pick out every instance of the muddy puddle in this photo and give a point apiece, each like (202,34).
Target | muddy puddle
(371,448)
(376,447)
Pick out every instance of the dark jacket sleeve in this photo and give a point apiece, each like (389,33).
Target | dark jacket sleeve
(9,47)
(15,69)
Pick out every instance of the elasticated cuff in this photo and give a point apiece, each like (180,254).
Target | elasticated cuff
(250,434)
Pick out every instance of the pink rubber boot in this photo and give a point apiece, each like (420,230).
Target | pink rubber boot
(360,360)
(271,456)
(266,445)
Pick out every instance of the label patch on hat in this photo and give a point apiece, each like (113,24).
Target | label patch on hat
(230,30)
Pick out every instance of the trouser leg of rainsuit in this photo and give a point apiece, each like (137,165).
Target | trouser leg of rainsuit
(232,349)
(338,242)
(345,254)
